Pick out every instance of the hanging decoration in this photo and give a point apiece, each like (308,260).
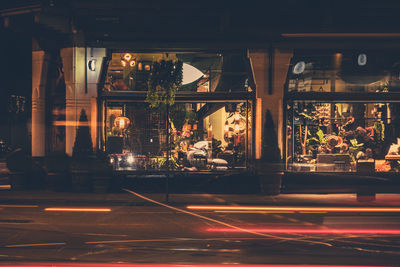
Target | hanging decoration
(165,79)
(122,122)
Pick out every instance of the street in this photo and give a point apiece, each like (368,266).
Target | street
(226,233)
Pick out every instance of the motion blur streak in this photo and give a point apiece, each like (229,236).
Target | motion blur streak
(312,231)
(78,209)
(319,209)
(62,264)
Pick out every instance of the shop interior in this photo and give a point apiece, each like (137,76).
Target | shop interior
(350,129)
(191,135)
(201,137)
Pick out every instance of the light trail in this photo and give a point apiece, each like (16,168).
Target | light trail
(224,223)
(5,186)
(98,264)
(79,209)
(310,231)
(294,209)
(35,245)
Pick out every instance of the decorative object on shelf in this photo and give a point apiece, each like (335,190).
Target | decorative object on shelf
(165,79)
(334,141)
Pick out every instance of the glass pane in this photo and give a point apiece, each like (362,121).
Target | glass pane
(343,71)
(343,137)
(136,137)
(209,137)
(202,72)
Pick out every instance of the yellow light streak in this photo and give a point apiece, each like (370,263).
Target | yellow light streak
(79,209)
(35,245)
(251,211)
(295,209)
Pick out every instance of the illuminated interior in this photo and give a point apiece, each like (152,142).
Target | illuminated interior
(202,136)
(339,113)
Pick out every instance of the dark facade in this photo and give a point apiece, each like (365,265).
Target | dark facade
(70,37)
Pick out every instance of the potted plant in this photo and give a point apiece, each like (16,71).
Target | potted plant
(164,80)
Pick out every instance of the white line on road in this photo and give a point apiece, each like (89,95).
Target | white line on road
(224,223)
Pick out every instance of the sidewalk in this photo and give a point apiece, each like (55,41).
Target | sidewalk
(127,199)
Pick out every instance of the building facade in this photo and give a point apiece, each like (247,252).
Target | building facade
(316,97)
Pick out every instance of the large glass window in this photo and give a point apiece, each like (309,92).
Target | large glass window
(343,137)
(344,71)
(202,72)
(201,136)
(343,112)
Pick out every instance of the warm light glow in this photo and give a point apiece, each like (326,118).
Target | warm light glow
(127,56)
(276,208)
(122,122)
(6,186)
(237,128)
(132,63)
(226,127)
(123,63)
(237,116)
(130,159)
(308,231)
(79,209)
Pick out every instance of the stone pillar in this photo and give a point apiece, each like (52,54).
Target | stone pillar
(39,79)
(81,89)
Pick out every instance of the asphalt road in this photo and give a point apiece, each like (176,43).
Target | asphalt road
(182,235)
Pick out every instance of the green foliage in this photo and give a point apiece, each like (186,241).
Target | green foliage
(165,79)
(379,128)
(355,148)
(162,163)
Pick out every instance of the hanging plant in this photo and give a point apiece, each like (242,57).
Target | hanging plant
(165,79)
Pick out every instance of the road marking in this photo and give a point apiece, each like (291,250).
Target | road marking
(79,209)
(299,209)
(19,206)
(224,223)
(35,245)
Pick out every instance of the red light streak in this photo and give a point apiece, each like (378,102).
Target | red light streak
(65,264)
(288,208)
(310,231)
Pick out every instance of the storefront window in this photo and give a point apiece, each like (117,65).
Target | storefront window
(202,136)
(344,71)
(202,72)
(343,137)
(328,131)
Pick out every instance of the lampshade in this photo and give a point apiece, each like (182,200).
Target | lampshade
(122,122)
